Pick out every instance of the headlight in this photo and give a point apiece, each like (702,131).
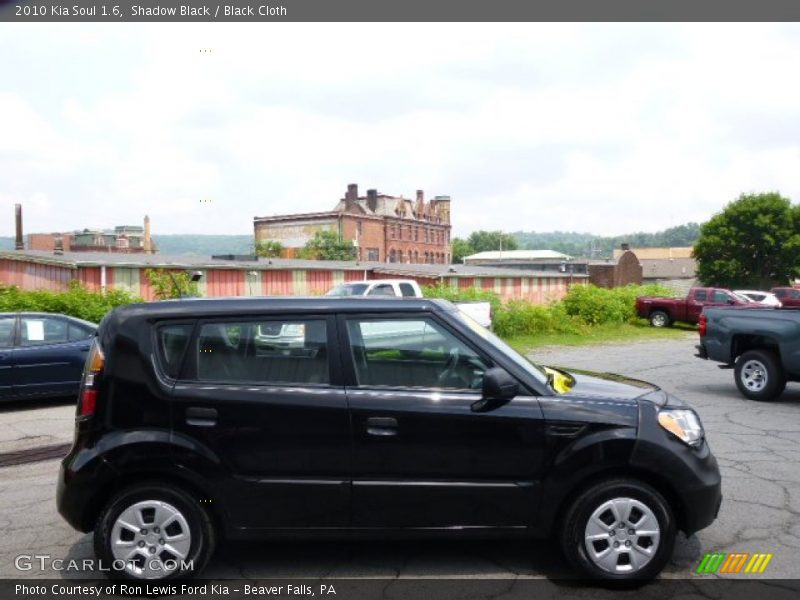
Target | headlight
(683,424)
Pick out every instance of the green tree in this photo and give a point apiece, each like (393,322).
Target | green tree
(178,285)
(754,242)
(269,249)
(327,245)
(459,249)
(483,241)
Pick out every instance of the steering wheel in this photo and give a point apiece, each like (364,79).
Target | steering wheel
(448,373)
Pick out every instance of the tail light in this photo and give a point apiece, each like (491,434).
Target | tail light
(702,325)
(95,363)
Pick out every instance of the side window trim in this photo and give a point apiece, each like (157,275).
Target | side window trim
(348,359)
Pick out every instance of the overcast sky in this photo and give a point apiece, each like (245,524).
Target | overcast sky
(601,128)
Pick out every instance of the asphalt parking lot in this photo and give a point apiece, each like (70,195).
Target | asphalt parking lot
(758,447)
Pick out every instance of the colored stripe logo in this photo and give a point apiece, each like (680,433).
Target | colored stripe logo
(733,563)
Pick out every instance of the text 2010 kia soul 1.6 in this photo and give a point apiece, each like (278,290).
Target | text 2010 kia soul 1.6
(200,420)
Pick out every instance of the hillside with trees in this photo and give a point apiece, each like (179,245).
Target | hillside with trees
(592,246)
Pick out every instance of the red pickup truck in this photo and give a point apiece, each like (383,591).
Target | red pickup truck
(663,312)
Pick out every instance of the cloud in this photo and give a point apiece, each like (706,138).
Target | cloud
(602,128)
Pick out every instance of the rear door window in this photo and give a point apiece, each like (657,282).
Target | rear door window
(287,351)
(79,332)
(700,295)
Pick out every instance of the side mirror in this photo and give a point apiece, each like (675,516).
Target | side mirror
(731,301)
(499,385)
(498,388)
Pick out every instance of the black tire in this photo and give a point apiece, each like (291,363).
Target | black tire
(660,318)
(200,526)
(573,529)
(747,379)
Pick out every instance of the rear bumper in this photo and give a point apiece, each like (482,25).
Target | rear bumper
(81,479)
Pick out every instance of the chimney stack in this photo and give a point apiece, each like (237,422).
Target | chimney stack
(625,247)
(352,192)
(18,245)
(420,196)
(372,200)
(146,242)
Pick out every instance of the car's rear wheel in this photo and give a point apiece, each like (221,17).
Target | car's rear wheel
(659,318)
(759,375)
(153,531)
(619,530)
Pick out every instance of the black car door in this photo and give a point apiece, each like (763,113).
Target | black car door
(423,456)
(261,413)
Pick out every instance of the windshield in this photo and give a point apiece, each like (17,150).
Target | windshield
(349,289)
(536,371)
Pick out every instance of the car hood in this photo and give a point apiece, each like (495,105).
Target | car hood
(610,386)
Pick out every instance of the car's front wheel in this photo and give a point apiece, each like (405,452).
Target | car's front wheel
(621,529)
(153,531)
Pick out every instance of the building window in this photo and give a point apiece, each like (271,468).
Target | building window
(399,256)
(415,234)
(392,256)
(373,254)
(359,228)
(416,256)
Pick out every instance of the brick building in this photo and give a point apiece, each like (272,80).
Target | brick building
(30,270)
(623,269)
(126,239)
(383,228)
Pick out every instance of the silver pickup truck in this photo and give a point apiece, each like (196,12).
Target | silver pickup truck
(761,345)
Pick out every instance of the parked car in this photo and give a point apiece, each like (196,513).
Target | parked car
(758,297)
(787,295)
(481,312)
(663,312)
(396,417)
(762,346)
(42,354)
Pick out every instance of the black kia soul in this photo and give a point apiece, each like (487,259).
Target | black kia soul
(200,420)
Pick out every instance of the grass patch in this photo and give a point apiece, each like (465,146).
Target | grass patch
(640,330)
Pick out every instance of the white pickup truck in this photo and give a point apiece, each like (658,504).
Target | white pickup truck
(481,312)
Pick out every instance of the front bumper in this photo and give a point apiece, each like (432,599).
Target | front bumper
(691,473)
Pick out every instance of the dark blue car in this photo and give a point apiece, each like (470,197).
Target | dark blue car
(42,354)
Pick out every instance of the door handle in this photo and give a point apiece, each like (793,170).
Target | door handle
(382,426)
(201,417)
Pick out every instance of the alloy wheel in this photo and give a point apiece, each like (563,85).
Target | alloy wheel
(150,539)
(622,536)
